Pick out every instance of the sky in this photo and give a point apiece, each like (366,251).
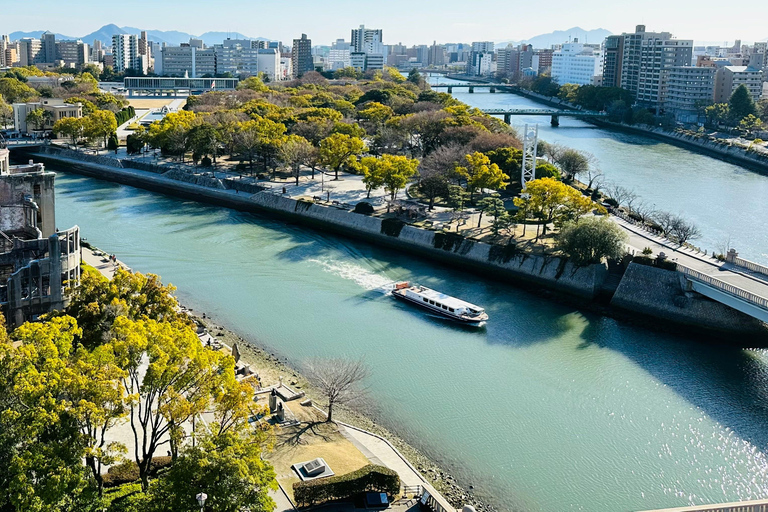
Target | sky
(406,21)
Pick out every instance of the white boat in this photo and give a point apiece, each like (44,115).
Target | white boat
(440,303)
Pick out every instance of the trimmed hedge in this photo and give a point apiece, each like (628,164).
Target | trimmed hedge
(128,471)
(371,478)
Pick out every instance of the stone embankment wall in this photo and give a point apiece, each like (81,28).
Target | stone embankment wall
(659,293)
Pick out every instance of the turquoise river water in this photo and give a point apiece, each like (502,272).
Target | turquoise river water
(546,408)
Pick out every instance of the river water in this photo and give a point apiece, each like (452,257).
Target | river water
(725,201)
(546,409)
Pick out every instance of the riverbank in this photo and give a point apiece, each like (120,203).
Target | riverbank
(531,271)
(273,367)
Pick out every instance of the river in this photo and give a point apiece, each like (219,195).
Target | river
(546,409)
(726,202)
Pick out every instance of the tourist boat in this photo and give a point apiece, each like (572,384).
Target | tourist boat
(440,303)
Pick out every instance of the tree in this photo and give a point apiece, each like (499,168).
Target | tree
(376,113)
(295,152)
(229,469)
(203,140)
(573,162)
(590,240)
(99,125)
(6,112)
(551,201)
(684,231)
(176,383)
(259,137)
(480,173)
(373,177)
(41,447)
(717,113)
(339,149)
(492,205)
(71,127)
(253,83)
(396,172)
(98,302)
(621,195)
(741,104)
(433,184)
(136,141)
(337,379)
(750,123)
(95,396)
(172,132)
(16,91)
(39,117)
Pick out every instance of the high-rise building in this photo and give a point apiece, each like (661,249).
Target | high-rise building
(30,52)
(729,78)
(646,59)
(186,60)
(436,55)
(363,38)
(687,89)
(125,53)
(301,56)
(576,64)
(72,53)
(511,61)
(544,57)
(613,55)
(4,44)
(48,41)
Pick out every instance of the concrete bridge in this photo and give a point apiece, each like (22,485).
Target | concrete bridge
(553,113)
(737,283)
(472,86)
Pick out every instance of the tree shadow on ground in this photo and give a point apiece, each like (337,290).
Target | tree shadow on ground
(293,436)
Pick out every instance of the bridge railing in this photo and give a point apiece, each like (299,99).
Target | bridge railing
(751,265)
(728,288)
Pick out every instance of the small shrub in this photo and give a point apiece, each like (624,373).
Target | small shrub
(206,162)
(647,251)
(611,201)
(120,474)
(363,208)
(643,260)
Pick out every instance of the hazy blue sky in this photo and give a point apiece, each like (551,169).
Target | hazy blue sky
(407,21)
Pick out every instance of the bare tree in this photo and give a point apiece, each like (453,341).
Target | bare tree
(338,379)
(665,220)
(644,211)
(622,195)
(595,176)
(684,231)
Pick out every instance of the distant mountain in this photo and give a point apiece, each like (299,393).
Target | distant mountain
(171,37)
(15,36)
(104,34)
(563,36)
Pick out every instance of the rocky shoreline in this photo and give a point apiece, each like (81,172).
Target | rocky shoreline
(271,365)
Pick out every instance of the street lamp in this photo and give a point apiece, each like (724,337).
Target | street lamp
(201,497)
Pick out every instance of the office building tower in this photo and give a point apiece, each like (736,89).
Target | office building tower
(301,56)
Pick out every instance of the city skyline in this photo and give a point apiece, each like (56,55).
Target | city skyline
(444,22)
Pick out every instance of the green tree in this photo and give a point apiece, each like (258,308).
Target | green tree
(750,123)
(229,469)
(253,83)
(203,141)
(339,150)
(568,92)
(259,137)
(38,118)
(551,201)
(295,152)
(741,104)
(98,302)
(16,91)
(176,384)
(492,205)
(373,177)
(480,174)
(99,125)
(590,240)
(71,127)
(6,112)
(432,185)
(41,448)
(717,113)
(376,113)
(573,162)
(396,172)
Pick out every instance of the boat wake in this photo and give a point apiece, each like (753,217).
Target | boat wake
(363,277)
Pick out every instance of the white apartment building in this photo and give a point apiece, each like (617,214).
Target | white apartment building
(125,53)
(576,64)
(186,60)
(368,42)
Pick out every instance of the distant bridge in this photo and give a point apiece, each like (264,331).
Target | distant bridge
(554,113)
(472,86)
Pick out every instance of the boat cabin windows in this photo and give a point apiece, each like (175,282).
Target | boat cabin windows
(445,307)
(426,299)
(432,302)
(451,310)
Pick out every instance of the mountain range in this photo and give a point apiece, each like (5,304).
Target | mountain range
(562,36)
(171,37)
